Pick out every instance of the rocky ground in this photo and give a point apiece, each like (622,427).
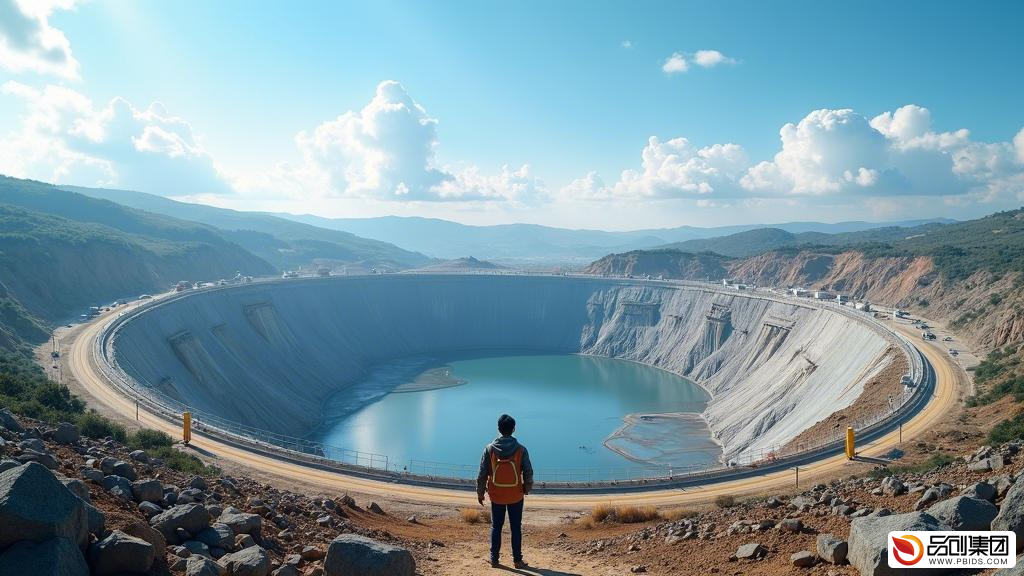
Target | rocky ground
(73,505)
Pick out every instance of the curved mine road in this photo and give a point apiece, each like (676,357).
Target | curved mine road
(950,384)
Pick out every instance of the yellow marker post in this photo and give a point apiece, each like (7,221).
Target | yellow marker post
(850,449)
(186,427)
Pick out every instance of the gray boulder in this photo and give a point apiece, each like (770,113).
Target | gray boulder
(802,559)
(253,561)
(750,551)
(193,518)
(354,554)
(122,468)
(149,509)
(144,531)
(200,566)
(147,490)
(831,549)
(44,458)
(120,553)
(97,520)
(869,546)
(78,488)
(57,556)
(66,433)
(241,522)
(8,421)
(893,486)
(1011,513)
(35,506)
(118,486)
(982,491)
(217,535)
(197,548)
(965,513)
(139,456)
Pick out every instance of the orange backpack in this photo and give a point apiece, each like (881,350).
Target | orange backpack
(505,484)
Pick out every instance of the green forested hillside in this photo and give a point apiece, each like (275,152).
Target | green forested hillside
(52,268)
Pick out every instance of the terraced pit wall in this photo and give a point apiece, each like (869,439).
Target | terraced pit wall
(268,355)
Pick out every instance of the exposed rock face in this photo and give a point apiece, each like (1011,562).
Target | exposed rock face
(353,554)
(743,348)
(35,506)
(869,550)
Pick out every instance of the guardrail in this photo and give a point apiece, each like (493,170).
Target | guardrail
(462,476)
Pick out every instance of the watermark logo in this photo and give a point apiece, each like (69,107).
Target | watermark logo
(973,549)
(906,549)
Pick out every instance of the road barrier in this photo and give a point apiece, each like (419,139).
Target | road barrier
(551,480)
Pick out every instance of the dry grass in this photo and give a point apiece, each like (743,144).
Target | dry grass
(635,514)
(678,514)
(475,515)
(624,514)
(725,501)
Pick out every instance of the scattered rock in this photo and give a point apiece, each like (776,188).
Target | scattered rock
(147,490)
(8,421)
(831,549)
(802,559)
(120,553)
(751,551)
(66,433)
(376,509)
(354,554)
(35,506)
(200,566)
(791,525)
(252,561)
(965,513)
(53,556)
(869,550)
(190,517)
(1011,513)
(240,522)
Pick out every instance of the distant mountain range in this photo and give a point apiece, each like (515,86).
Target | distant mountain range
(283,242)
(525,243)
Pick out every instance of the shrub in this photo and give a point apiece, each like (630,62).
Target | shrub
(474,515)
(93,425)
(934,461)
(182,462)
(725,501)
(586,523)
(147,439)
(1007,430)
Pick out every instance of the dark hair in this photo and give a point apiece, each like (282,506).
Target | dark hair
(506,425)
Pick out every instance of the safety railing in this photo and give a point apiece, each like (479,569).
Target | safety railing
(552,479)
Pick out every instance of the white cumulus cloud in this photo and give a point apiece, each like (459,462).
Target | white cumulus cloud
(64,138)
(837,154)
(675,64)
(711,58)
(385,151)
(28,43)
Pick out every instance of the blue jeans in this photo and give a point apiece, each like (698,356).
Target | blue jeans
(515,524)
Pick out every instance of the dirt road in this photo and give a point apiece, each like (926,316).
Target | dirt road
(88,381)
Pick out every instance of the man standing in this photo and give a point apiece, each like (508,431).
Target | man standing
(506,475)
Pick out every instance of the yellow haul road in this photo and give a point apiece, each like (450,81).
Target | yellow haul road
(950,381)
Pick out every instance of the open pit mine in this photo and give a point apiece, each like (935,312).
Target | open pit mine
(271,355)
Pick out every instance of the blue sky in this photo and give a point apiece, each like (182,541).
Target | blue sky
(543,112)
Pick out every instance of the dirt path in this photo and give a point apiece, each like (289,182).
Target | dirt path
(87,381)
